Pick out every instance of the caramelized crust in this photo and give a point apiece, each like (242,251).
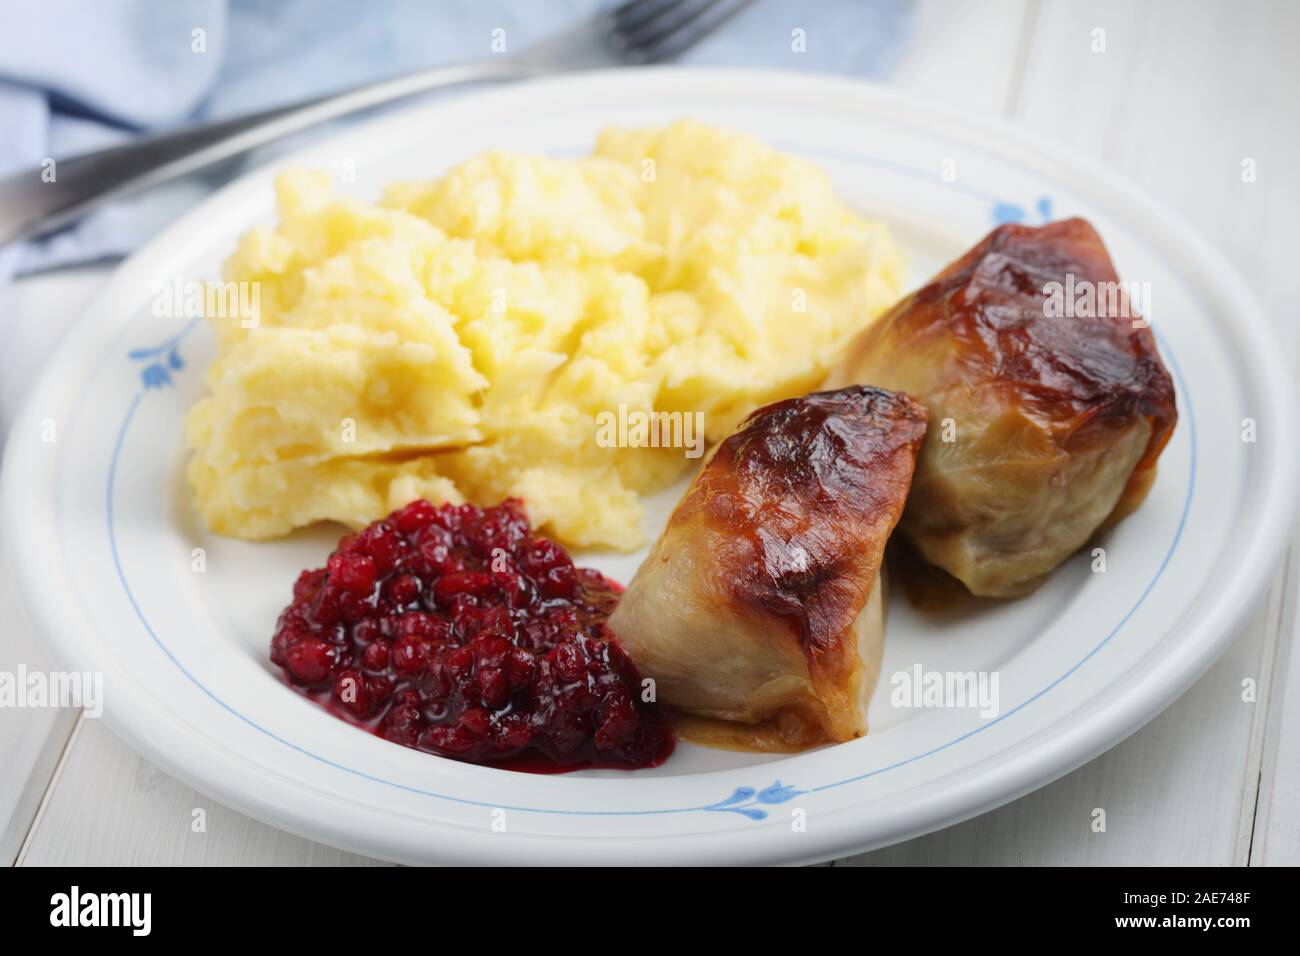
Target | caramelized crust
(989,308)
(802,500)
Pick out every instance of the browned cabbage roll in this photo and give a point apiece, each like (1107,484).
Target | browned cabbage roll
(1044,426)
(761,601)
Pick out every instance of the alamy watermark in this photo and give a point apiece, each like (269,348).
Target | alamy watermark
(1085,299)
(74,908)
(642,429)
(40,689)
(181,298)
(952,690)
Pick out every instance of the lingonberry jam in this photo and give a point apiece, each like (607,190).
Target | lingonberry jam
(453,630)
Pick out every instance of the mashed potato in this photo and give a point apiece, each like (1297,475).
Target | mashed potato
(459,339)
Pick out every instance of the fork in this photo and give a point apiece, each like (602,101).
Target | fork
(636,32)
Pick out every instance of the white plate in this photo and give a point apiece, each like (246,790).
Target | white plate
(106,530)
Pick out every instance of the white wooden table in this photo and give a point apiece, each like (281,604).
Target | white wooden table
(1183,92)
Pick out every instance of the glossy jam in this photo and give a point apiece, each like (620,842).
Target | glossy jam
(454,630)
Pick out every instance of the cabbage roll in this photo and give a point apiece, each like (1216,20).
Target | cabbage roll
(1048,403)
(761,603)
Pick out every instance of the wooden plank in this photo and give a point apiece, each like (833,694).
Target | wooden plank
(38,311)
(966,54)
(1276,828)
(31,741)
(109,807)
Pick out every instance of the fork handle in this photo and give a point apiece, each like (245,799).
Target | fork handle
(29,204)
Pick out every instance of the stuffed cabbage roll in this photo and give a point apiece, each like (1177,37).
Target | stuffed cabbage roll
(1047,413)
(761,602)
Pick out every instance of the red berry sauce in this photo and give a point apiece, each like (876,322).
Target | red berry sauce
(453,630)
